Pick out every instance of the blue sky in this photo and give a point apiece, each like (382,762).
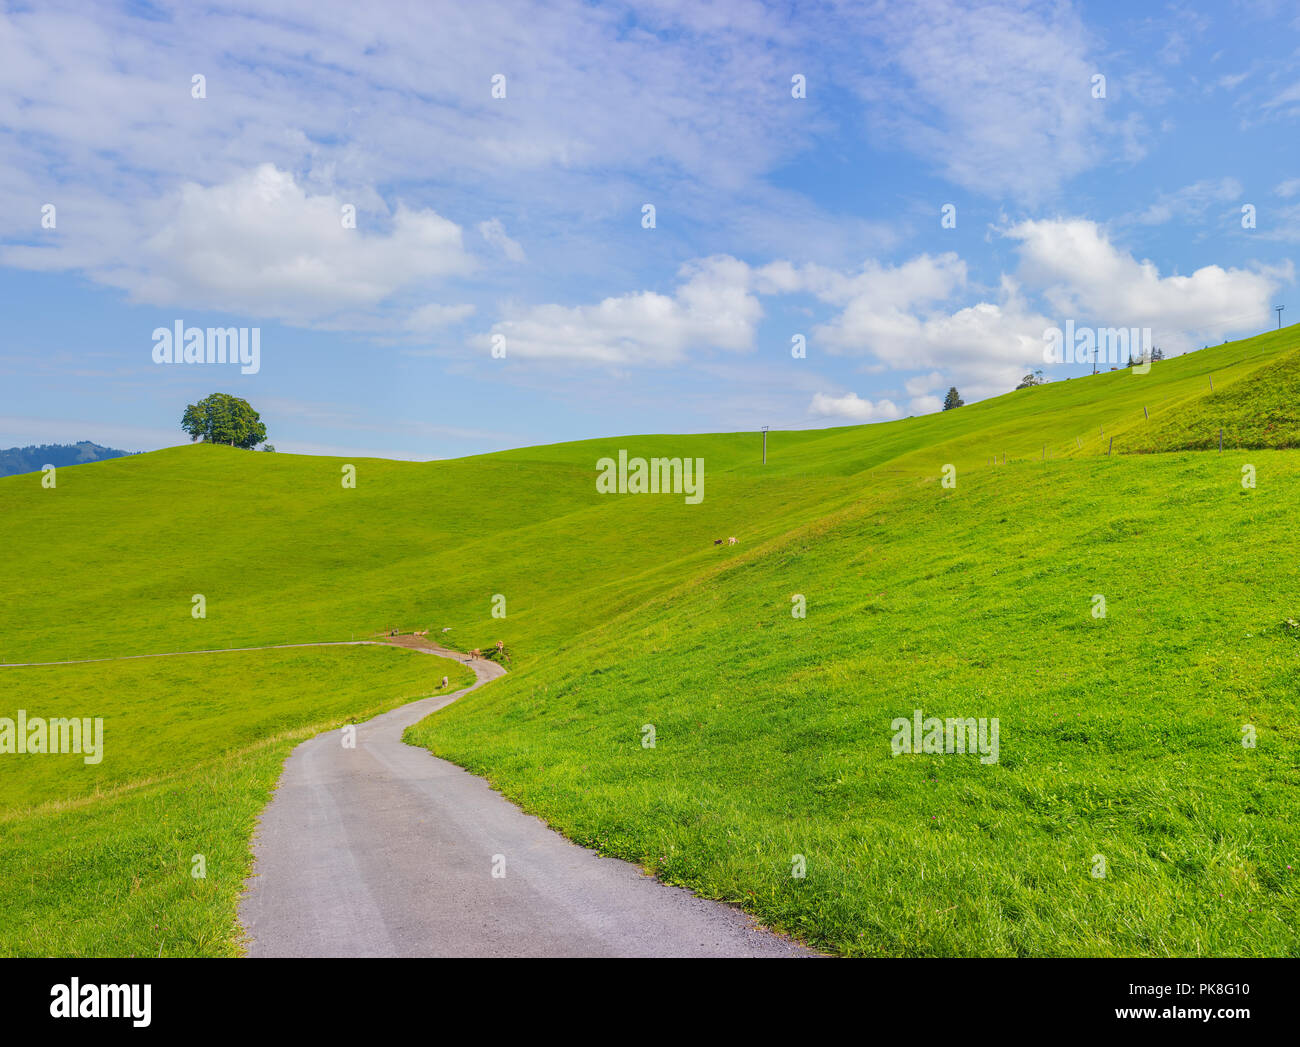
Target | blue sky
(521,216)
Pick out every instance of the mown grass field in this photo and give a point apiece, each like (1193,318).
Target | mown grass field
(1121,736)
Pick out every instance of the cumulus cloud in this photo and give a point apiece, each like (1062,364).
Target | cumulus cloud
(923,314)
(852,407)
(1083,276)
(261,244)
(712,309)
(908,316)
(96,108)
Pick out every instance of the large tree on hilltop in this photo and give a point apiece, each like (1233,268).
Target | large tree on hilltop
(224,419)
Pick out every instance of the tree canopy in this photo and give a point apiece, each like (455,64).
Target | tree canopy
(224,419)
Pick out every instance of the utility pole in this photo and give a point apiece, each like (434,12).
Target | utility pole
(1095,354)
(765,445)
(1279,309)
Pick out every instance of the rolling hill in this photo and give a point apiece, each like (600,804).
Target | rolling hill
(1123,814)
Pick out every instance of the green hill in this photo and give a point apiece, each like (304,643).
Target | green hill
(1260,410)
(1120,736)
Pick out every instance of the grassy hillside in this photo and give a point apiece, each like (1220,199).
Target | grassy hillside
(99,859)
(1120,736)
(1261,410)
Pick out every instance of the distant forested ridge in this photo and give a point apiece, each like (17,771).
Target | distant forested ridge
(33,458)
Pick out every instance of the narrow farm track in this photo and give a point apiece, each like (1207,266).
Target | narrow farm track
(384,850)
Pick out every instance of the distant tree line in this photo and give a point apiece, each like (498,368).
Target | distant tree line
(34,457)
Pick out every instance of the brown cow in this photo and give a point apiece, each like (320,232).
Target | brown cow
(476,653)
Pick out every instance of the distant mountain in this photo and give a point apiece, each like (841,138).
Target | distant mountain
(32,458)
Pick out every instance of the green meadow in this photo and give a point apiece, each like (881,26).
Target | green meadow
(99,860)
(1123,815)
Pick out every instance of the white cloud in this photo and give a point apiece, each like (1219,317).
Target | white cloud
(431,317)
(1284,100)
(923,313)
(495,234)
(1191,201)
(922,384)
(907,317)
(1232,80)
(853,407)
(96,110)
(260,244)
(1085,277)
(1288,189)
(996,94)
(712,309)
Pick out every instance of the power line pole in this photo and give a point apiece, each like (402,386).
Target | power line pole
(765,445)
(1279,309)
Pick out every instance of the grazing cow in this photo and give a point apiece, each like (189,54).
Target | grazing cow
(501,645)
(717,541)
(732,541)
